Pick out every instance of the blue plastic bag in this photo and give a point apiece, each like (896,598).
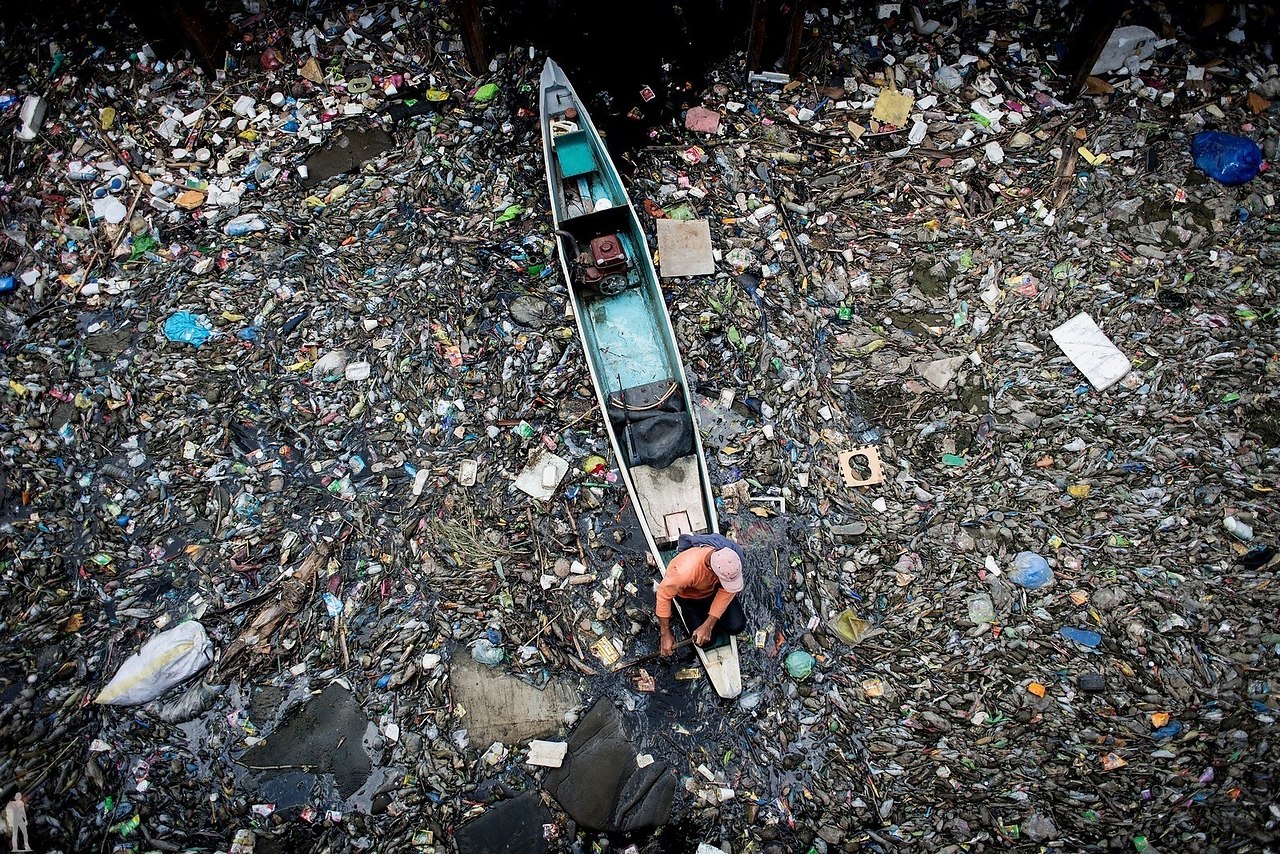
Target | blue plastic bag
(1226,158)
(185,327)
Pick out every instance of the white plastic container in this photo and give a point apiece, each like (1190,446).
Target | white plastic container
(33,109)
(1238,529)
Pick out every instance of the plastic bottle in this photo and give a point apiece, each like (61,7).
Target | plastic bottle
(33,109)
(244,224)
(1083,637)
(1238,529)
(1030,570)
(79,171)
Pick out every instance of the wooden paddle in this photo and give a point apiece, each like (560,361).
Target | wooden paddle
(650,657)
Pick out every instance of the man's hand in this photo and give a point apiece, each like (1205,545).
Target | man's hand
(702,634)
(666,644)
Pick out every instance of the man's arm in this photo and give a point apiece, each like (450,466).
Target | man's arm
(672,583)
(702,634)
(667,590)
(666,640)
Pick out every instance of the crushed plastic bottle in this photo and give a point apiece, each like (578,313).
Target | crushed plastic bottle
(1084,637)
(982,609)
(244,224)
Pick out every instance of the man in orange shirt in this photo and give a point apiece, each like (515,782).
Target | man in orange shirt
(704,579)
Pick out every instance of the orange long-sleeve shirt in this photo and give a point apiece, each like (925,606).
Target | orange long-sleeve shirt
(689,575)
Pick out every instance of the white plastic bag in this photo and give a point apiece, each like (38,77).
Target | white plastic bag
(164,661)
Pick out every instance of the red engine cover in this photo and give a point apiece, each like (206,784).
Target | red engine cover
(606,252)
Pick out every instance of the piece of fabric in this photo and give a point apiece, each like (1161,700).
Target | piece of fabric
(733,621)
(600,784)
(689,576)
(716,541)
(507,827)
(661,438)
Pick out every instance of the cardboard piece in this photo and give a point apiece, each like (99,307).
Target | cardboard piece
(892,107)
(872,456)
(684,248)
(1090,350)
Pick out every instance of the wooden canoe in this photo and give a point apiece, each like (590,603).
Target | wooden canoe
(630,347)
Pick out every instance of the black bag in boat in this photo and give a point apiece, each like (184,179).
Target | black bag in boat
(652,421)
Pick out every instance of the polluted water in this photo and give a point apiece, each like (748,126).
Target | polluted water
(312,538)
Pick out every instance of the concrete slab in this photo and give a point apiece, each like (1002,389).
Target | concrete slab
(602,785)
(501,707)
(684,248)
(346,153)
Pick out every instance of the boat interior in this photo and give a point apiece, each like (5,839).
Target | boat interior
(618,300)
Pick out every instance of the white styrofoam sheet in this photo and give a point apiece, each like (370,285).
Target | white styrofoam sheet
(1090,350)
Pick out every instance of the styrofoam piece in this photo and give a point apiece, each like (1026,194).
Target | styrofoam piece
(1124,43)
(548,754)
(1090,350)
(535,480)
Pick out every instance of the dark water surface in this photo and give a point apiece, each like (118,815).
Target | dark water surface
(610,52)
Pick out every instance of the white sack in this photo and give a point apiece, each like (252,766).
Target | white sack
(166,660)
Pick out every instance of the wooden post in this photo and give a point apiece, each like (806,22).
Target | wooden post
(796,36)
(469,19)
(1090,37)
(755,38)
(201,29)
(205,35)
